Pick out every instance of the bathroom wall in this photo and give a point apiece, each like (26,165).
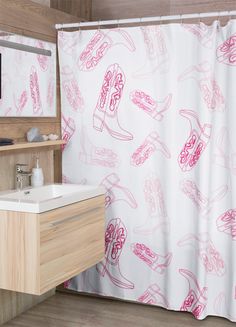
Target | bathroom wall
(43,2)
(108,9)
(35,20)
(79,8)
(25,17)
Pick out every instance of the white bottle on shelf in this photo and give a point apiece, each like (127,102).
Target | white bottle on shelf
(37,178)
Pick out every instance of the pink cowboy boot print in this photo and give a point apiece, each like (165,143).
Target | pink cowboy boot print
(115,238)
(196,299)
(196,141)
(105,115)
(99,45)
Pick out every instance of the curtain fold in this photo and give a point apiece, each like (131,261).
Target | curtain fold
(148,112)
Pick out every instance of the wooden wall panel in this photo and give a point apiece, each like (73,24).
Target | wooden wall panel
(16,128)
(110,9)
(8,161)
(31,19)
(36,20)
(79,8)
(196,6)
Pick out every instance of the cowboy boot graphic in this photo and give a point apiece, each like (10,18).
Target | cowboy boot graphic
(67,129)
(155,261)
(226,52)
(154,296)
(225,156)
(71,89)
(67,42)
(35,91)
(151,144)
(196,298)
(207,84)
(115,238)
(226,223)
(157,53)
(206,251)
(205,34)
(99,45)
(116,192)
(93,155)
(196,142)
(203,203)
(153,108)
(157,215)
(106,112)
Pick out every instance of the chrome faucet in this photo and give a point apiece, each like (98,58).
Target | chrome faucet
(22,177)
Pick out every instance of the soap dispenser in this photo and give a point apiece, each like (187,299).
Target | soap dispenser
(37,175)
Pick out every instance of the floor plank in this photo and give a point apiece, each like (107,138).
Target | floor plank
(70,310)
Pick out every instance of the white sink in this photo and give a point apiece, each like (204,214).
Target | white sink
(47,197)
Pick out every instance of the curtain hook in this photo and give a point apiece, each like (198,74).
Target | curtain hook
(230,15)
(118,23)
(181,19)
(200,20)
(160,20)
(141,22)
(99,27)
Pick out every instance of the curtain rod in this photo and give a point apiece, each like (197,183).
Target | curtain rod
(146,19)
(23,47)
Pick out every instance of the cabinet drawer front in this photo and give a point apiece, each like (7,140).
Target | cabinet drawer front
(51,219)
(71,241)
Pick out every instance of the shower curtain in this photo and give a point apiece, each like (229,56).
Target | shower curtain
(149,113)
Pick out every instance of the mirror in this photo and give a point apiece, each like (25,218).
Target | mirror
(28,79)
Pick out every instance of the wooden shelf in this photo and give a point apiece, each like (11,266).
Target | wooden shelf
(31,145)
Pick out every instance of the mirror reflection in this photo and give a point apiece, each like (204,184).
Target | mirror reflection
(28,77)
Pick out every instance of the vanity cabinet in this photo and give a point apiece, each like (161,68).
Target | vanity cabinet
(39,251)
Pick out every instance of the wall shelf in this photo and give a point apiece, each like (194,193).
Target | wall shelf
(31,145)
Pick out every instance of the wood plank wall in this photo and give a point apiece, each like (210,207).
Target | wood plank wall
(34,20)
(79,8)
(43,2)
(110,9)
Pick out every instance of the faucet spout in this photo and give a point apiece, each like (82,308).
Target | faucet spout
(22,177)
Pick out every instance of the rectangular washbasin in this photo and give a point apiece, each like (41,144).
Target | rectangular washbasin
(47,197)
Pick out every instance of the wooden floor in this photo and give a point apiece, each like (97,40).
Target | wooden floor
(69,310)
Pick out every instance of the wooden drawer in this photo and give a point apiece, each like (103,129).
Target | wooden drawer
(48,248)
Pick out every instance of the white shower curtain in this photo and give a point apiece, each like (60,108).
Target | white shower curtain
(149,113)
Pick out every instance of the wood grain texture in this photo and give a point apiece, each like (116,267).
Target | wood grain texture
(8,161)
(67,310)
(40,251)
(71,240)
(21,146)
(31,19)
(79,8)
(109,9)
(34,20)
(12,303)
(19,252)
